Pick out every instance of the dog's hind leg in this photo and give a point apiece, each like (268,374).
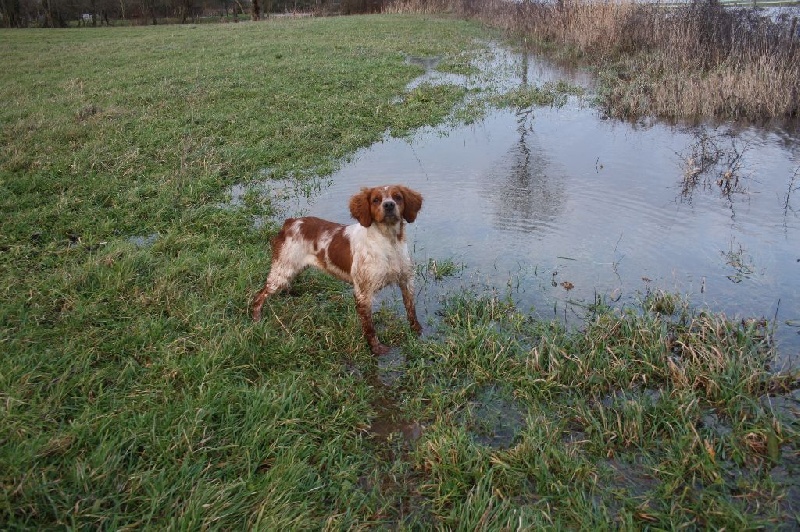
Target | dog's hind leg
(270,287)
(285,267)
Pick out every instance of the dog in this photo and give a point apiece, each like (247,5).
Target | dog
(370,254)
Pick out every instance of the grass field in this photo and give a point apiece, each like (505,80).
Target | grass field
(135,391)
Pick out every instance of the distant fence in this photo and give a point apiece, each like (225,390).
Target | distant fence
(741,3)
(759,3)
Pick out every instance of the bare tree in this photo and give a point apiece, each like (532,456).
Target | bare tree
(186,9)
(13,16)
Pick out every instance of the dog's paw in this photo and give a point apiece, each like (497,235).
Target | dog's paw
(379,349)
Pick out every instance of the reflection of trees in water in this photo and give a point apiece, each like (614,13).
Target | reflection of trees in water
(713,160)
(522,194)
(794,188)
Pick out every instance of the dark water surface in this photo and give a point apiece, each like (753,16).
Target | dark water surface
(529,202)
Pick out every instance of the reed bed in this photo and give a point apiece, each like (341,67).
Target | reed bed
(695,61)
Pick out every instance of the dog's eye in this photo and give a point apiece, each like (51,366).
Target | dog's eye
(397,198)
(376,200)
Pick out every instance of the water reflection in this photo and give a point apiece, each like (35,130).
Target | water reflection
(523,196)
(792,191)
(523,193)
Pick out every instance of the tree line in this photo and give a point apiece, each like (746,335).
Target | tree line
(69,13)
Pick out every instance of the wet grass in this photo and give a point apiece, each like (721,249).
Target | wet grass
(657,417)
(553,94)
(135,391)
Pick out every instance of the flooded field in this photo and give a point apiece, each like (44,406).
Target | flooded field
(556,207)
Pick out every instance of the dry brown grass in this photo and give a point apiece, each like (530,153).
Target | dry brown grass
(695,61)
(423,7)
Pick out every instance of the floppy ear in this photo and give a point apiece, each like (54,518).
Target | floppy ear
(360,208)
(413,203)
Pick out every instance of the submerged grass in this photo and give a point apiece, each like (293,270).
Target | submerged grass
(135,392)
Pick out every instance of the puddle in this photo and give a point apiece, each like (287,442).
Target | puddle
(391,367)
(143,241)
(431,75)
(558,206)
(633,478)
(494,420)
(388,423)
(289,197)
(385,428)
(491,418)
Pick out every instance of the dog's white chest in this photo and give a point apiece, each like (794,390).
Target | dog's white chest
(378,259)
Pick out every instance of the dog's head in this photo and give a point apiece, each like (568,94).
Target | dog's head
(387,204)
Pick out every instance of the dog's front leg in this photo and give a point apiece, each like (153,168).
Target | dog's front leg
(364,307)
(407,289)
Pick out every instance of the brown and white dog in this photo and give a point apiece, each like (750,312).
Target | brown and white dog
(370,255)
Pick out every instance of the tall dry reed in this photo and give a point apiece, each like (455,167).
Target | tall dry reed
(423,7)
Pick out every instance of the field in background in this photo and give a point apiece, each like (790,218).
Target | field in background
(136,392)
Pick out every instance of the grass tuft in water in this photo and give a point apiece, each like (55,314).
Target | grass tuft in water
(439,269)
(552,94)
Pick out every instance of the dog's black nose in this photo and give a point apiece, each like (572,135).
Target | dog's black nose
(388,206)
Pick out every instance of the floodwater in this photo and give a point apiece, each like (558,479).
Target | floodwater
(555,207)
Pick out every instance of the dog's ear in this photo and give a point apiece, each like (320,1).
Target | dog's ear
(360,208)
(413,203)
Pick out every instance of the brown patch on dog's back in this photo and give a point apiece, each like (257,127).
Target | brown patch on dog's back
(312,228)
(339,251)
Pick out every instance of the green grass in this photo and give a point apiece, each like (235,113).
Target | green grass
(439,269)
(135,392)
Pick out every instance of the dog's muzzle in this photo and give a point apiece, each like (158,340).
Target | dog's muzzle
(390,209)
